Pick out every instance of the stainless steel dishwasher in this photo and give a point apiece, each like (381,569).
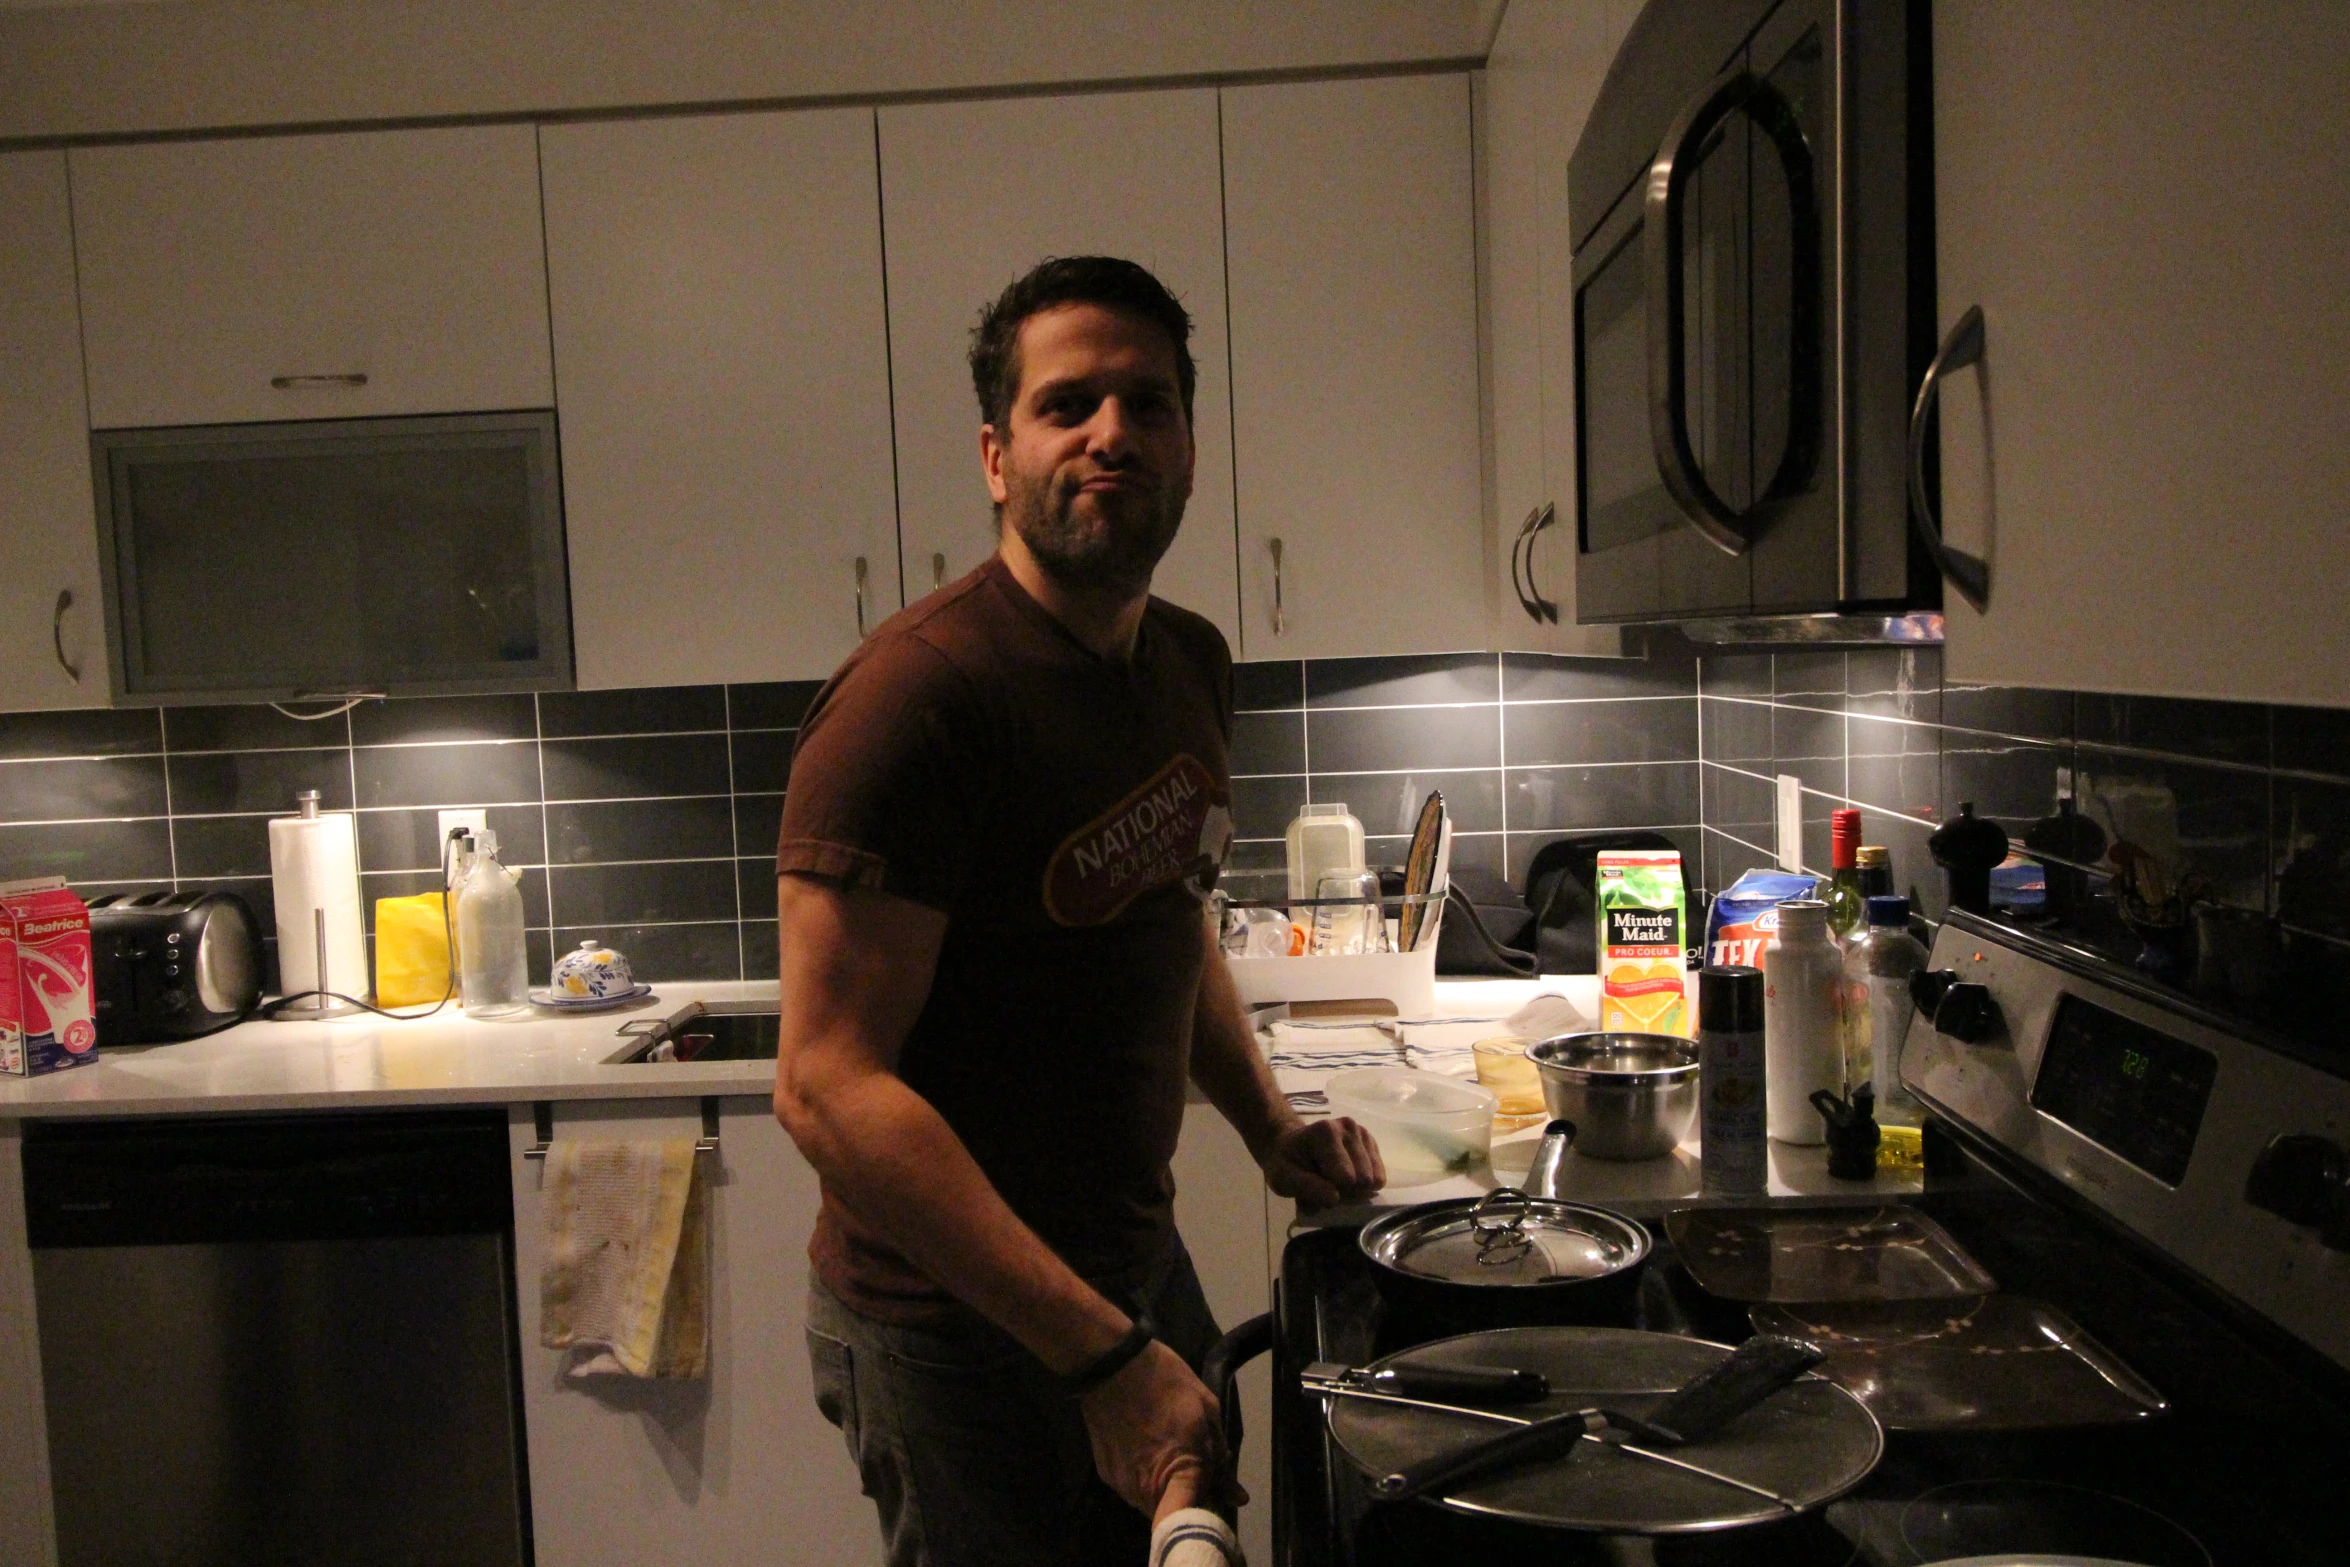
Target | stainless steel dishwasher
(279,1339)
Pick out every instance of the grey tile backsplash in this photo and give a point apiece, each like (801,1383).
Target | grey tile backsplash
(2252,800)
(645,818)
(648,818)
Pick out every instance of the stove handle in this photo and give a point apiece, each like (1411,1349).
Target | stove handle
(1220,1370)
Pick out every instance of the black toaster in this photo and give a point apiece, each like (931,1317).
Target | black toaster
(172,965)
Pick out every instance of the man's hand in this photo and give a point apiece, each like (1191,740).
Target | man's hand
(1157,1429)
(1324,1162)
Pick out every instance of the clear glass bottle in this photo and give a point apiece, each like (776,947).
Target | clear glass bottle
(1802,1051)
(493,959)
(1876,1008)
(1846,911)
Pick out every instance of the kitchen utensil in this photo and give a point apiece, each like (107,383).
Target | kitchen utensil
(1991,1363)
(592,972)
(1794,1255)
(1853,1133)
(1482,1387)
(1701,1406)
(1426,1125)
(172,965)
(1420,869)
(1631,1096)
(1804,1446)
(1506,1258)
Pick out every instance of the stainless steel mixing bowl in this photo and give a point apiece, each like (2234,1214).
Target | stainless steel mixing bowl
(1631,1096)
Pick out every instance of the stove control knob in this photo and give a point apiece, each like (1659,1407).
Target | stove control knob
(1927,987)
(2304,1179)
(1967,1013)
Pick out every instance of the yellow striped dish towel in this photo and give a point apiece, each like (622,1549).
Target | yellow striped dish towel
(626,1284)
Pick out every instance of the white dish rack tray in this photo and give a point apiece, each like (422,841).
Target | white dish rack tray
(1406,980)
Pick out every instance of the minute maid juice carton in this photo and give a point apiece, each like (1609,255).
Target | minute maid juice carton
(1641,917)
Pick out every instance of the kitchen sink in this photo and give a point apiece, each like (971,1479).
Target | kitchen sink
(703,1031)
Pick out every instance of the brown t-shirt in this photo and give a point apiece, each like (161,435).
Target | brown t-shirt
(1069,813)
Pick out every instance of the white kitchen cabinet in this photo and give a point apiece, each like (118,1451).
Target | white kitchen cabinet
(52,626)
(974,194)
(1546,66)
(2146,205)
(213,270)
(739,1467)
(724,392)
(1350,237)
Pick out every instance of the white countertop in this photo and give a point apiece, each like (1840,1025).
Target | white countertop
(367,1061)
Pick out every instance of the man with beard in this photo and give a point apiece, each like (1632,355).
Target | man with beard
(1005,812)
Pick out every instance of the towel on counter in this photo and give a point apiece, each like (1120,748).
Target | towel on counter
(627,1278)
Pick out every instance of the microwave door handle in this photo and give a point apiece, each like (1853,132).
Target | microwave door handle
(1661,247)
(1775,117)
(1970,574)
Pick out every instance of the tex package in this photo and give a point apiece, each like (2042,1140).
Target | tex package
(47,1023)
(1746,916)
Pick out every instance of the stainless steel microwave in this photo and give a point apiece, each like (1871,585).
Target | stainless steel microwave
(274,562)
(1752,208)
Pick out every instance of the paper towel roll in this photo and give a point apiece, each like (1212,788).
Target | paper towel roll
(314,865)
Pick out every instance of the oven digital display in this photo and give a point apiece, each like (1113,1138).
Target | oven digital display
(2132,1090)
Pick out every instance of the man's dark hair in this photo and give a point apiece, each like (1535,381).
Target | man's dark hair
(1106,281)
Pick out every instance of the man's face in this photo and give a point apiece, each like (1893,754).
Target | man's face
(1095,468)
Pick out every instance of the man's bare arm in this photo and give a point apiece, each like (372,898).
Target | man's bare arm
(856,970)
(1317,1162)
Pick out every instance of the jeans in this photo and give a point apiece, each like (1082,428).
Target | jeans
(970,1450)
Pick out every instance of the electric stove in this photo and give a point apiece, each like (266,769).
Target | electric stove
(2165,1175)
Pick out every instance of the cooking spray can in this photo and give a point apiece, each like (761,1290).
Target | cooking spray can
(1732,1088)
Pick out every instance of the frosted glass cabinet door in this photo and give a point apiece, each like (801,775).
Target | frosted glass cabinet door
(51,617)
(1350,232)
(723,386)
(977,193)
(2146,203)
(212,270)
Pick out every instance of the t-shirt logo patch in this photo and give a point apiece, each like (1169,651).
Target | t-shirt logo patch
(1171,829)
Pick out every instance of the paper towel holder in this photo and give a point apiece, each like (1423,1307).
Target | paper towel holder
(313,1008)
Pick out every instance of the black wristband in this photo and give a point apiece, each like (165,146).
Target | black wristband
(1110,1361)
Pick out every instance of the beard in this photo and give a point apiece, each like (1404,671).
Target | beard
(1111,541)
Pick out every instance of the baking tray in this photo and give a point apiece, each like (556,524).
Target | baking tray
(1990,1363)
(1791,1256)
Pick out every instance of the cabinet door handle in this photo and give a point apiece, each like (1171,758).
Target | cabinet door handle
(304,383)
(938,572)
(1968,573)
(57,635)
(1517,555)
(1530,597)
(1280,615)
(1662,221)
(861,575)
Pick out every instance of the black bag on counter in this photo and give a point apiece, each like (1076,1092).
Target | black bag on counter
(1493,930)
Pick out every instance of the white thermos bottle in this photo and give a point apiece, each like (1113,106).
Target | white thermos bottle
(1802,972)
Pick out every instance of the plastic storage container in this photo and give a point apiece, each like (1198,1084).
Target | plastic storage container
(1803,1049)
(1425,1125)
(1322,840)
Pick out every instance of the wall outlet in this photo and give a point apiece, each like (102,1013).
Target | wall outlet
(1790,822)
(471,821)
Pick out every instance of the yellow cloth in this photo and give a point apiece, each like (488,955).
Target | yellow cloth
(411,950)
(627,1275)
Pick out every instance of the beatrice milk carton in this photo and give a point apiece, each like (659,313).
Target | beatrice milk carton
(1641,952)
(46,1019)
